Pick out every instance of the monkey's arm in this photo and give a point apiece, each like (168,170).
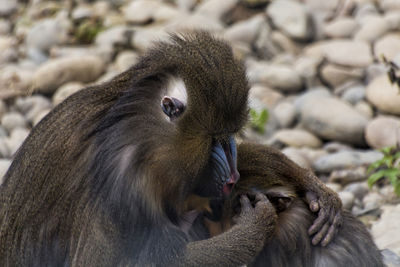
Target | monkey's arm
(241,244)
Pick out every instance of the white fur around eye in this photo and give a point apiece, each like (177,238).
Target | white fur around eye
(176,88)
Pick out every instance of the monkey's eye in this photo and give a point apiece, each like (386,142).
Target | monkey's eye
(172,107)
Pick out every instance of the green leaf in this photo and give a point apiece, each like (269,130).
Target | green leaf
(388,161)
(264,116)
(397,155)
(387,150)
(258,120)
(372,179)
(375,165)
(397,188)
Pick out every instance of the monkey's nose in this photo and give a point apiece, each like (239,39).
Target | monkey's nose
(230,184)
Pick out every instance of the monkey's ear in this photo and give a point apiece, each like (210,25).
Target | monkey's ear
(172,107)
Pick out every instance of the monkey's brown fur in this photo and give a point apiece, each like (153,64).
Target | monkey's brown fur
(268,171)
(103,179)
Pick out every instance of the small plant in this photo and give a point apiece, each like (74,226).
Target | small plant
(259,119)
(387,167)
(87,30)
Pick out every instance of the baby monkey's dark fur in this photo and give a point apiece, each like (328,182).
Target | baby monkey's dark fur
(267,170)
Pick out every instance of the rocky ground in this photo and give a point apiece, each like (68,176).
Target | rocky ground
(316,66)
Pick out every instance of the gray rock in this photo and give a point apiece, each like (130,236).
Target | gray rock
(3,132)
(125,60)
(39,116)
(297,156)
(307,67)
(285,113)
(8,49)
(295,138)
(32,106)
(322,6)
(384,95)
(144,11)
(105,51)
(195,21)
(334,187)
(365,11)
(4,165)
(338,51)
(371,29)
(354,94)
(348,176)
(144,38)
(383,131)
(347,199)
(281,77)
(17,137)
(186,5)
(5,27)
(389,5)
(365,109)
(246,31)
(82,12)
(3,108)
(336,75)
(345,160)
(269,97)
(292,18)
(13,120)
(4,149)
(45,34)
(375,70)
(119,35)
(343,27)
(359,189)
(390,258)
(333,119)
(392,19)
(65,91)
(386,232)
(215,9)
(388,45)
(373,200)
(7,7)
(57,72)
(333,147)
(15,79)
(315,92)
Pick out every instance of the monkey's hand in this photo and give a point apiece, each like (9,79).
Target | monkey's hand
(262,215)
(329,207)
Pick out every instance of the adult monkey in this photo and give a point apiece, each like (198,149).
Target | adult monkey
(104,179)
(266,170)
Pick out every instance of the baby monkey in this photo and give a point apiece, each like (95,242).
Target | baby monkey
(267,170)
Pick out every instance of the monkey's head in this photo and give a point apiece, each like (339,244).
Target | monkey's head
(203,105)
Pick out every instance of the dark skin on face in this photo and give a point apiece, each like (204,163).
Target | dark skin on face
(106,180)
(290,245)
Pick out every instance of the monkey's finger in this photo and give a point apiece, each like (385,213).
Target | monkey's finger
(317,238)
(319,222)
(312,201)
(261,197)
(245,202)
(329,236)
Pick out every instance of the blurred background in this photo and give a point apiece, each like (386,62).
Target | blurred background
(324,79)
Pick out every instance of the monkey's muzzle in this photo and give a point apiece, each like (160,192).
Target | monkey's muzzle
(224,157)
